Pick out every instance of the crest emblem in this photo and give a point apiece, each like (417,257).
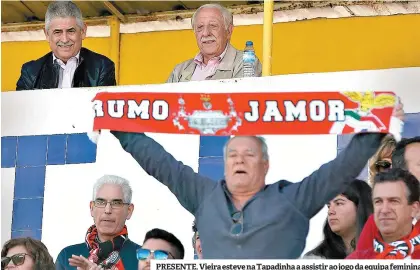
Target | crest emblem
(362,119)
(207,121)
(206,102)
(368,101)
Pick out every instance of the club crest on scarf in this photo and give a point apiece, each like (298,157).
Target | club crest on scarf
(207,121)
(106,254)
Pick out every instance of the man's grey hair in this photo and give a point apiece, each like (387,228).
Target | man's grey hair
(261,140)
(227,16)
(63,9)
(114,180)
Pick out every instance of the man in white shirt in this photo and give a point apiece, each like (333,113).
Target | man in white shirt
(68,64)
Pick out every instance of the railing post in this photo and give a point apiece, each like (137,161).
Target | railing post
(114,24)
(267,37)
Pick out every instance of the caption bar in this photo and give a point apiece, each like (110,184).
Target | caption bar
(285,265)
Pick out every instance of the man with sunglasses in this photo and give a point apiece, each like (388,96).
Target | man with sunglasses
(106,242)
(159,244)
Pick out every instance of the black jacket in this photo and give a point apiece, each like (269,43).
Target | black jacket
(94,70)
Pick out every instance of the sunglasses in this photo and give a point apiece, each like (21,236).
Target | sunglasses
(142,254)
(382,165)
(17,259)
(238,223)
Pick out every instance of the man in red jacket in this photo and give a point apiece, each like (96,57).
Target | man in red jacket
(396,202)
(405,156)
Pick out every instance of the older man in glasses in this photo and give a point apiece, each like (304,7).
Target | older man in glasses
(106,242)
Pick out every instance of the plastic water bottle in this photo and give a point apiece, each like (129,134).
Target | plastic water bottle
(249,60)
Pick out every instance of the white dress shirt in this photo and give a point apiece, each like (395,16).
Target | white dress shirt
(67,70)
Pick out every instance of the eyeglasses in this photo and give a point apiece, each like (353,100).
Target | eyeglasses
(383,165)
(17,259)
(115,204)
(238,223)
(142,254)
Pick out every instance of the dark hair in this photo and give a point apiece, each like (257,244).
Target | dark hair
(194,227)
(39,252)
(168,237)
(195,230)
(396,175)
(333,247)
(398,160)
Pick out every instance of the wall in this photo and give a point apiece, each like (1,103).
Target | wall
(319,45)
(49,165)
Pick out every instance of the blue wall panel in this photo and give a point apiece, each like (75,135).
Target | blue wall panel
(30,155)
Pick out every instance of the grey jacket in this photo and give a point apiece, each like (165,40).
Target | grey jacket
(230,67)
(276,220)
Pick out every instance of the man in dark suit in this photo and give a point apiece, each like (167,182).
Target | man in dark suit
(68,64)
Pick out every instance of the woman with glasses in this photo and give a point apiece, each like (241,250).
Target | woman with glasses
(347,214)
(381,161)
(26,254)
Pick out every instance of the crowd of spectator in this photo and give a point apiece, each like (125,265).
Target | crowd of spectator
(239,217)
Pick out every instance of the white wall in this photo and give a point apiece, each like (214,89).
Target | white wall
(155,207)
(68,187)
(7,190)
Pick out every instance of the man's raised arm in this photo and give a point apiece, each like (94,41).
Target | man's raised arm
(331,179)
(189,187)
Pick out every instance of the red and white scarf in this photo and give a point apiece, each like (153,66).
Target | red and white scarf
(402,249)
(106,254)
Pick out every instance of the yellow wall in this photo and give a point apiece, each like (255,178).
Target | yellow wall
(15,54)
(320,45)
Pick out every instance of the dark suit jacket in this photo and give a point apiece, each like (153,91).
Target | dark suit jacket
(94,70)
